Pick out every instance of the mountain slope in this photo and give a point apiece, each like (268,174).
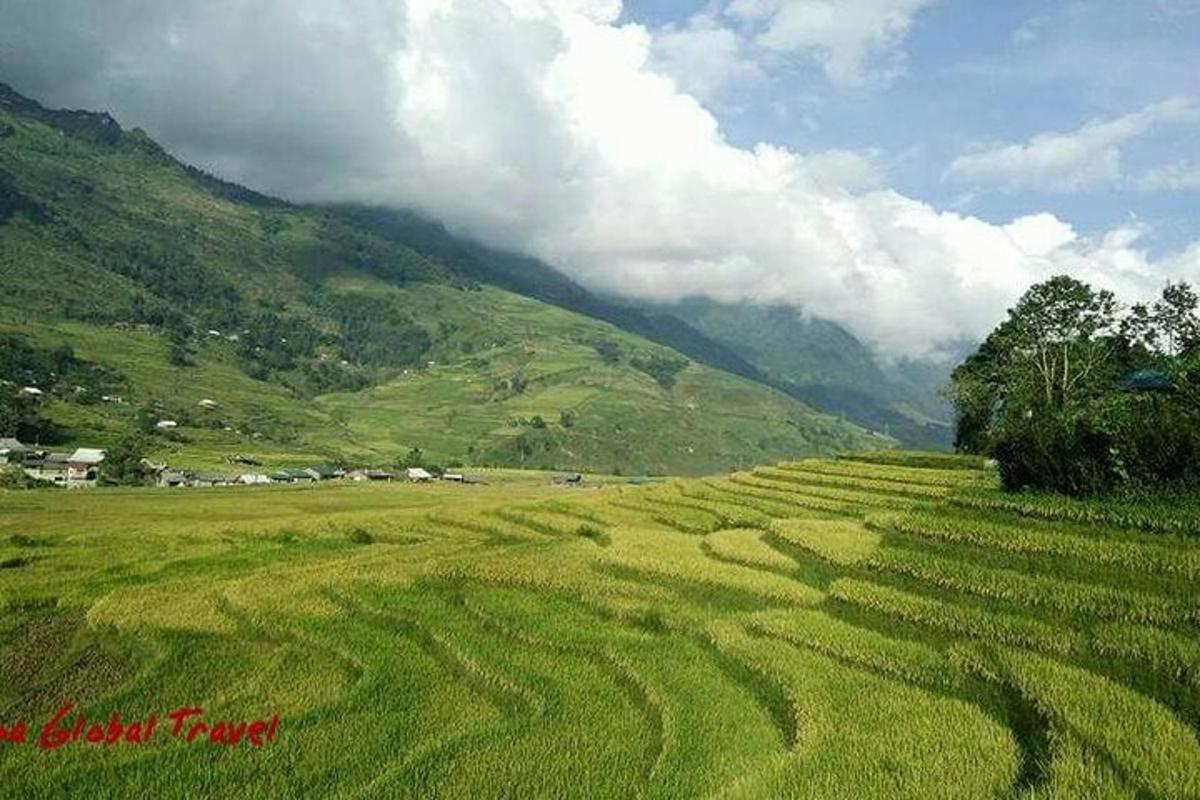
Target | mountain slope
(320,333)
(822,363)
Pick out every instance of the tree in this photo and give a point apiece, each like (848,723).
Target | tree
(566,418)
(1070,395)
(412,459)
(1061,332)
(123,463)
(1176,320)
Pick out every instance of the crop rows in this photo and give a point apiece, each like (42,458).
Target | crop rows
(1146,517)
(1154,557)
(821,629)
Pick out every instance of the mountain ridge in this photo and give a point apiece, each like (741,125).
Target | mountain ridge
(338,325)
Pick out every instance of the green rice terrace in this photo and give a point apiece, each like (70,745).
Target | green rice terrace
(875,626)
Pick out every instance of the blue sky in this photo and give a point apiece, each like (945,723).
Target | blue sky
(972,73)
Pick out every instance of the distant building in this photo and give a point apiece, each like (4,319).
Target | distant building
(170,478)
(369,475)
(418,475)
(324,473)
(253,479)
(207,479)
(453,477)
(12,451)
(166,424)
(209,404)
(1150,379)
(31,391)
(83,467)
(48,467)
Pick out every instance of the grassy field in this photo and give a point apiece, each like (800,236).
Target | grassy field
(822,628)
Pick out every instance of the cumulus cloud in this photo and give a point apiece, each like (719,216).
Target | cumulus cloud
(706,57)
(543,126)
(1087,157)
(844,36)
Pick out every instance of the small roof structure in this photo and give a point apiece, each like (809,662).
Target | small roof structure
(253,478)
(453,476)
(32,391)
(1148,379)
(206,403)
(419,474)
(11,445)
(86,455)
(323,473)
(166,424)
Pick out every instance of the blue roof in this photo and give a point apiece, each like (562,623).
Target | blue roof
(1148,379)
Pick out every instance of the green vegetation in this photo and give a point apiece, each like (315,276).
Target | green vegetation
(1072,395)
(821,363)
(908,632)
(135,288)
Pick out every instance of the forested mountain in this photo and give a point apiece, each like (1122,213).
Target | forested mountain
(335,333)
(823,364)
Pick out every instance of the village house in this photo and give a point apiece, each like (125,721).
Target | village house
(83,467)
(170,478)
(369,475)
(166,425)
(12,451)
(253,479)
(48,467)
(209,479)
(324,473)
(418,475)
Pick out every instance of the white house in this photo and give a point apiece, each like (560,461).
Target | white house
(206,403)
(418,475)
(166,424)
(83,467)
(253,478)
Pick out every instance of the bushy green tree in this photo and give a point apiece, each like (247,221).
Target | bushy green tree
(1044,394)
(123,463)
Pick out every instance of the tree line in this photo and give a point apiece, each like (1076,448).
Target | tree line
(1074,393)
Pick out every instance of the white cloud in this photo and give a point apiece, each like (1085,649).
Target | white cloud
(1181,176)
(543,126)
(846,37)
(1087,157)
(705,57)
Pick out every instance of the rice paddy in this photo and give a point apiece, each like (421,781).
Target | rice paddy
(890,627)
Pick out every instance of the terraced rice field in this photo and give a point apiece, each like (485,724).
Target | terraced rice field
(841,629)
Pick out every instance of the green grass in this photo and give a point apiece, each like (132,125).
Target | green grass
(696,638)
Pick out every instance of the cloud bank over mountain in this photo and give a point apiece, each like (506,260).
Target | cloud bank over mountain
(548,127)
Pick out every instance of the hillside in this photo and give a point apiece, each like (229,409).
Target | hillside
(823,364)
(821,629)
(319,334)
